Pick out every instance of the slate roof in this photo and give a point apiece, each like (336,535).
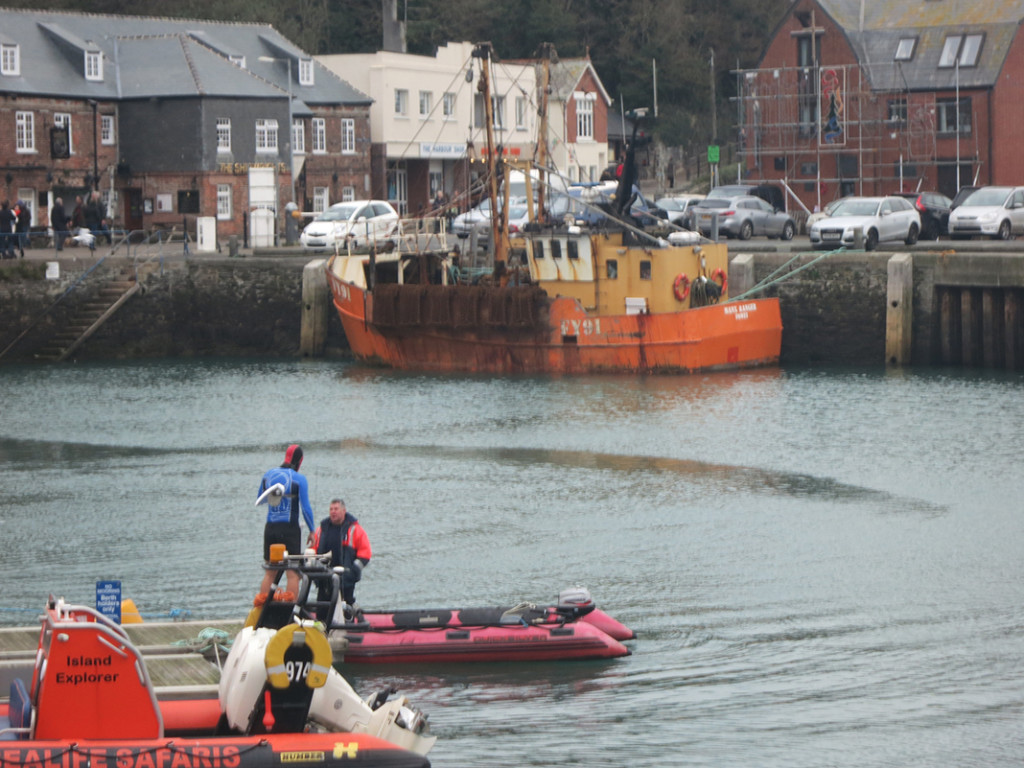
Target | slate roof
(150,57)
(875,27)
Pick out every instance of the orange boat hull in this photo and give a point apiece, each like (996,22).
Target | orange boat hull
(570,341)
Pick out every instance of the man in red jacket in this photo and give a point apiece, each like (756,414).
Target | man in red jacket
(341,534)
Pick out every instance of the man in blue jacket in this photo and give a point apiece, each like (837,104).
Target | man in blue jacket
(283,525)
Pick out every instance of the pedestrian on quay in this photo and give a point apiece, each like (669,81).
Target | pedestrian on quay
(7,219)
(283,524)
(22,225)
(341,534)
(59,223)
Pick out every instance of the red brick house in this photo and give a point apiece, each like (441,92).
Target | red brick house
(861,97)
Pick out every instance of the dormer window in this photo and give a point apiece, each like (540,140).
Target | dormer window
(905,49)
(238,61)
(961,50)
(93,65)
(10,59)
(305,72)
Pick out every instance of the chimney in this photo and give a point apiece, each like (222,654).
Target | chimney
(394,30)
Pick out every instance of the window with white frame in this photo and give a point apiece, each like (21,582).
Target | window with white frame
(426,104)
(584,115)
(238,61)
(10,59)
(520,113)
(25,131)
(448,106)
(63,120)
(401,102)
(223,134)
(348,194)
(93,65)
(224,202)
(319,135)
(107,135)
(298,135)
(266,135)
(305,72)
(348,136)
(321,199)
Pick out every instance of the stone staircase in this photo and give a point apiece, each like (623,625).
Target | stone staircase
(89,316)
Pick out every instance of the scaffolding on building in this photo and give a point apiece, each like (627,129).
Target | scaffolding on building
(824,133)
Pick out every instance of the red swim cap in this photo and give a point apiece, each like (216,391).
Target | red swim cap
(293,456)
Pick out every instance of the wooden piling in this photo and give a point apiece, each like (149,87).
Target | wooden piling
(1011,325)
(899,312)
(316,302)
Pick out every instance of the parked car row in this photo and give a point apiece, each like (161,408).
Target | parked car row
(995,212)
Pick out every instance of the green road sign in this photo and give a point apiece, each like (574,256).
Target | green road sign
(713,153)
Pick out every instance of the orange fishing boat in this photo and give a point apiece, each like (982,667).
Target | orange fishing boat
(562,298)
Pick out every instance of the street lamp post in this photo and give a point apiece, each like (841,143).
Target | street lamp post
(291,149)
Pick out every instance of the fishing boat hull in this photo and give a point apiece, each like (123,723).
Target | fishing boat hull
(549,315)
(713,338)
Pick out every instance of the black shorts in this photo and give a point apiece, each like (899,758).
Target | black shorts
(282,533)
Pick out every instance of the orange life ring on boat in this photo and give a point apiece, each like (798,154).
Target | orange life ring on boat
(681,286)
(720,273)
(279,675)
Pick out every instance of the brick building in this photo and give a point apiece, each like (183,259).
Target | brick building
(173,119)
(856,97)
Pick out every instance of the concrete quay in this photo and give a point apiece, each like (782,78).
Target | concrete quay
(930,304)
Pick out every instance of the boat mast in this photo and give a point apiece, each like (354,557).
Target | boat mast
(483,52)
(547,52)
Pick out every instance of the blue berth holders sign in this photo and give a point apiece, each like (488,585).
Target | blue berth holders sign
(108,599)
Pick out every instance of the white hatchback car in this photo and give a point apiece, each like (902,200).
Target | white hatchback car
(996,212)
(358,222)
(880,219)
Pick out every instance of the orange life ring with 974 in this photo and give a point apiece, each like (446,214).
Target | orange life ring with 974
(720,273)
(681,286)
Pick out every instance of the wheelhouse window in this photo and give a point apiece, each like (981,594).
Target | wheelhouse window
(10,59)
(348,136)
(611,269)
(645,269)
(953,117)
(573,249)
(266,135)
(556,249)
(319,135)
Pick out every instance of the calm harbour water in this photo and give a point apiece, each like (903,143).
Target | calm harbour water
(824,567)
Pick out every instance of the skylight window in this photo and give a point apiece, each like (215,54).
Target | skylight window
(962,50)
(905,49)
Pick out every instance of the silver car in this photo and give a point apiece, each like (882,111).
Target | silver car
(880,219)
(743,217)
(996,212)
